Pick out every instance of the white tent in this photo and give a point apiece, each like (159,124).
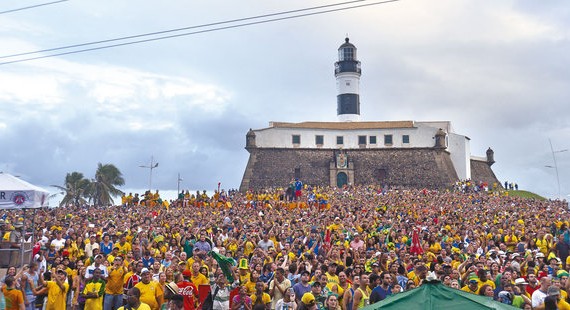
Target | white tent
(19,194)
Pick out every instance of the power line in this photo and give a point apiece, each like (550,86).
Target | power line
(180,29)
(32,6)
(189,33)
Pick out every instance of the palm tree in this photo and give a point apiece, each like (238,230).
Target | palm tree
(103,187)
(75,188)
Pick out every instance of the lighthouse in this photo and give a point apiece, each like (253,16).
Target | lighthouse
(347,73)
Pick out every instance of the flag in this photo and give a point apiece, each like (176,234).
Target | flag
(226,264)
(416,247)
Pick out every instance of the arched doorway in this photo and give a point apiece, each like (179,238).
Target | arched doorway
(341,179)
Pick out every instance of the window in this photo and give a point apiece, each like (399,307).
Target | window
(388,139)
(297,173)
(406,139)
(361,139)
(372,139)
(347,83)
(319,140)
(296,139)
(339,140)
(346,53)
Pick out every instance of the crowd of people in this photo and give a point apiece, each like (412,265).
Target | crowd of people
(325,248)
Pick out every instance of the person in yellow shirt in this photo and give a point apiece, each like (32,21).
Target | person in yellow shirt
(56,290)
(482,279)
(244,274)
(114,288)
(14,297)
(260,297)
(331,274)
(134,302)
(472,285)
(149,293)
(511,240)
(124,246)
(93,291)
(196,277)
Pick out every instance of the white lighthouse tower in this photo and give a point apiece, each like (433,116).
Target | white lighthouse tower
(347,73)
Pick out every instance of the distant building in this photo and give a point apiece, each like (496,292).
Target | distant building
(349,151)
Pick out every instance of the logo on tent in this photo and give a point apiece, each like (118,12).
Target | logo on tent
(19,198)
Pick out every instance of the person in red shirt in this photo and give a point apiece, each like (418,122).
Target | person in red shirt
(188,290)
(533,284)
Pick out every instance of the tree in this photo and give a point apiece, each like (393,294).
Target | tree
(103,187)
(75,189)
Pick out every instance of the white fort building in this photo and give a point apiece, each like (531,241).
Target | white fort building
(350,151)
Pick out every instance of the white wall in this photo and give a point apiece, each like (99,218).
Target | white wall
(353,81)
(282,137)
(460,149)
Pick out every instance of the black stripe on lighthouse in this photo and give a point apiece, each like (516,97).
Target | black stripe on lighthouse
(348,104)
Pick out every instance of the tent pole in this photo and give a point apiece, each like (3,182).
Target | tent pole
(22,249)
(33,238)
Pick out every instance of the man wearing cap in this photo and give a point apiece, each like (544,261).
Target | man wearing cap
(472,284)
(554,291)
(188,290)
(16,235)
(98,264)
(150,294)
(114,288)
(303,286)
(56,290)
(309,301)
(93,291)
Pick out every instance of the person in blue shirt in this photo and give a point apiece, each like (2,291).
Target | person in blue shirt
(383,290)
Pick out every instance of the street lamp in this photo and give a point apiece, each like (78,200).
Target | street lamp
(179,180)
(555,164)
(150,167)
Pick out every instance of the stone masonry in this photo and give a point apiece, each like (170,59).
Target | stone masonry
(416,167)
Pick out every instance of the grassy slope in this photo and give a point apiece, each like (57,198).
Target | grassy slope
(525,194)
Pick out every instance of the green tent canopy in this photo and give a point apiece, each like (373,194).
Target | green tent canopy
(435,295)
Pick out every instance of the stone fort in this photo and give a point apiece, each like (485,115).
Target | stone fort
(349,151)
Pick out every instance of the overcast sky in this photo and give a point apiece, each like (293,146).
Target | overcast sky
(498,70)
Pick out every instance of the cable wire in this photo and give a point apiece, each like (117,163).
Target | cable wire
(177,29)
(32,6)
(188,33)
